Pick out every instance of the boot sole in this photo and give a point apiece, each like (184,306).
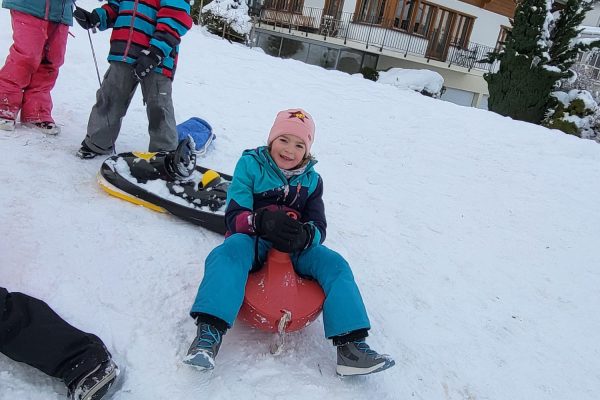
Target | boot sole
(343,370)
(200,360)
(51,132)
(86,155)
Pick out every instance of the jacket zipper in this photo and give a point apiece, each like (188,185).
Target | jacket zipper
(298,187)
(135,6)
(47,10)
(286,190)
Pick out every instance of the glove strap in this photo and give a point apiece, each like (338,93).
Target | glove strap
(154,53)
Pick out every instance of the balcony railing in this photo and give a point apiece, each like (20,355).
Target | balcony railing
(381,35)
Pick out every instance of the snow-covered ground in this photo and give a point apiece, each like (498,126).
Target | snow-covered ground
(473,238)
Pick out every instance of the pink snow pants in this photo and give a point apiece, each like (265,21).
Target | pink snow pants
(31,68)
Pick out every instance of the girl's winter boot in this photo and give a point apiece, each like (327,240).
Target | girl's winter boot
(357,358)
(205,347)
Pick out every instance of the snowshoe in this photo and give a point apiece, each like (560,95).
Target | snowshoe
(169,182)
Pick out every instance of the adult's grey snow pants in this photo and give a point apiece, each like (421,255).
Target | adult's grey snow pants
(112,101)
(31,332)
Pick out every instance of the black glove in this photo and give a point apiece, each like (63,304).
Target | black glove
(285,233)
(86,19)
(146,62)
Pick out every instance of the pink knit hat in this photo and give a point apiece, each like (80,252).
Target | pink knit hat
(296,122)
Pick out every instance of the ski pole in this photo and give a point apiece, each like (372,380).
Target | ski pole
(94,55)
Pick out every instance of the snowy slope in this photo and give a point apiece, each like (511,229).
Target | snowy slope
(473,238)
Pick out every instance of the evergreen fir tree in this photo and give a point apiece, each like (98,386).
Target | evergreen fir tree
(539,52)
(522,85)
(564,47)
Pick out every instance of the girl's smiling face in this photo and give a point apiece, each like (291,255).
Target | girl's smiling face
(288,151)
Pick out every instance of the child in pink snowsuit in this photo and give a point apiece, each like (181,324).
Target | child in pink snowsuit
(40,29)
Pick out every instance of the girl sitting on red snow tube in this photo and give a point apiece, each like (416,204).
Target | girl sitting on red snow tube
(268,182)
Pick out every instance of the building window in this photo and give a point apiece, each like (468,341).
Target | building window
(322,56)
(423,19)
(347,60)
(270,44)
(371,11)
(501,38)
(415,17)
(350,61)
(461,31)
(404,12)
(293,49)
(294,6)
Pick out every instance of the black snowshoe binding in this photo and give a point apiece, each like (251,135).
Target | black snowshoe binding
(165,165)
(169,181)
(213,197)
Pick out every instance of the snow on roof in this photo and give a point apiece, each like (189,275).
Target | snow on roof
(590,30)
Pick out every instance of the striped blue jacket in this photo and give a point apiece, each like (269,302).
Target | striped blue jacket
(139,24)
(258,182)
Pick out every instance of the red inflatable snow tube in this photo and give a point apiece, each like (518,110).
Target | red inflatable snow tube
(277,298)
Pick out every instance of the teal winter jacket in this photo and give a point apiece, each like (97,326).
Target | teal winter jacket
(259,183)
(60,11)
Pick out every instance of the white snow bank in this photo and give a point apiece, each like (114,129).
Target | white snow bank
(235,12)
(413,79)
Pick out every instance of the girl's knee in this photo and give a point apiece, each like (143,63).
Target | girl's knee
(239,241)
(330,257)
(341,269)
(236,250)
(326,264)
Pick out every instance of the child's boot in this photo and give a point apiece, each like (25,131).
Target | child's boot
(7,124)
(95,384)
(47,127)
(357,358)
(205,347)
(85,153)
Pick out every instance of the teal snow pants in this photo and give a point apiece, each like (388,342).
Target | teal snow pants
(226,270)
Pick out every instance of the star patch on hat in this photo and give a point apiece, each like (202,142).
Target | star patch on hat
(298,114)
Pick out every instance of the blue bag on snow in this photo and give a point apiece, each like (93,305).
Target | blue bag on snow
(199,130)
